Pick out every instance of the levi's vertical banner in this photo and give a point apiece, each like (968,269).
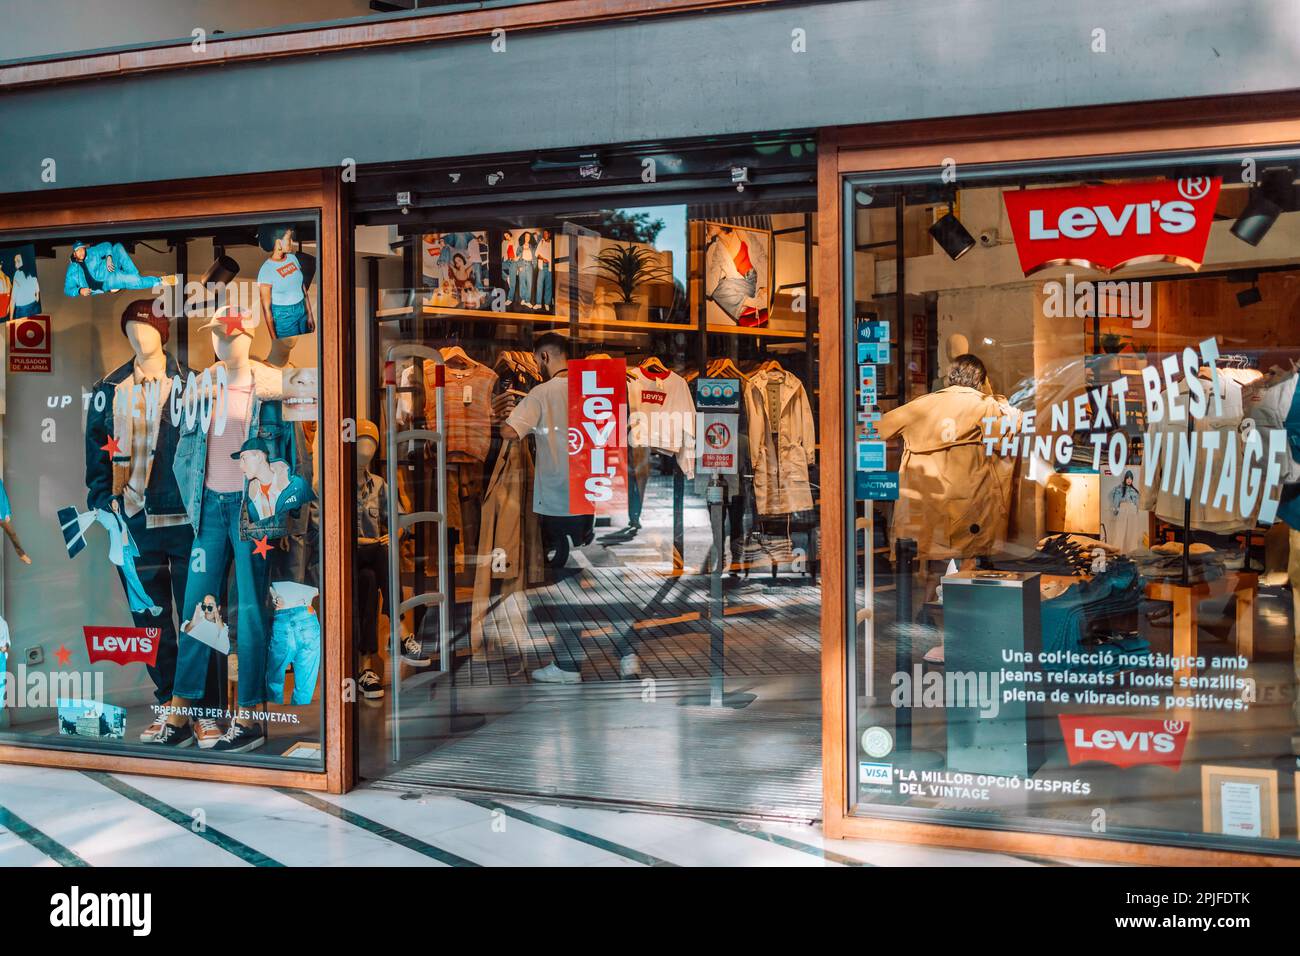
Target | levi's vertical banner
(1105,227)
(597,436)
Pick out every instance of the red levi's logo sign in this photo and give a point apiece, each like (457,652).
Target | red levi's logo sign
(597,436)
(1105,227)
(122,645)
(1124,741)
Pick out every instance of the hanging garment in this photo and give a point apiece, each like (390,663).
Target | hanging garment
(954,498)
(509,542)
(122,550)
(661,415)
(467,405)
(782,441)
(1162,487)
(1269,403)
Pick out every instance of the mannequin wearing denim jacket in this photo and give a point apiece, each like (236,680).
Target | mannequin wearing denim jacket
(135,417)
(223,534)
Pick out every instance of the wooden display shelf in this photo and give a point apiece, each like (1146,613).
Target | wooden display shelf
(485,315)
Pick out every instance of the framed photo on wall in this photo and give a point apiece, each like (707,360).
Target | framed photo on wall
(737,274)
(455,269)
(528,270)
(20,292)
(1239,802)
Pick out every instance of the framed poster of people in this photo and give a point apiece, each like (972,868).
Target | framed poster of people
(455,269)
(737,274)
(528,270)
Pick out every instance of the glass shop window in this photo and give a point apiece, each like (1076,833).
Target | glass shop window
(160,492)
(631,482)
(1075,467)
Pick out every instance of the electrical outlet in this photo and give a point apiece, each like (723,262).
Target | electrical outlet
(35,656)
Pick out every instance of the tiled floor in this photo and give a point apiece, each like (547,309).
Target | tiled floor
(64,817)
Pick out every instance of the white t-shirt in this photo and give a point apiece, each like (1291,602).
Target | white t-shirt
(661,415)
(544,412)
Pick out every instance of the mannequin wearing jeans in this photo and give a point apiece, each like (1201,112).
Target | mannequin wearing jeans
(137,481)
(213,489)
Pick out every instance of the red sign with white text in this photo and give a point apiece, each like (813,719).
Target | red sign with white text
(597,436)
(1105,227)
(1124,741)
(122,645)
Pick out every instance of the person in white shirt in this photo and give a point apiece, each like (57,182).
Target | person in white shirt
(544,413)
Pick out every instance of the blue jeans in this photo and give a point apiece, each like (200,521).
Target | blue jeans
(524,270)
(219,545)
(544,286)
(295,639)
(162,569)
(290,320)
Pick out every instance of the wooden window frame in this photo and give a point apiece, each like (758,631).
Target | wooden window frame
(113,208)
(1184,125)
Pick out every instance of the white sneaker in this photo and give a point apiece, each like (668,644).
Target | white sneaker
(934,655)
(550,674)
(629,666)
(413,653)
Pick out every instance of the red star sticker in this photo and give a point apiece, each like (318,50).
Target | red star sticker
(64,655)
(111,446)
(260,547)
(234,323)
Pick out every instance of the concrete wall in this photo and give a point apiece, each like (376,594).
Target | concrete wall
(727,72)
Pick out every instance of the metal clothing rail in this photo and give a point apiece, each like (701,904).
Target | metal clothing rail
(398,522)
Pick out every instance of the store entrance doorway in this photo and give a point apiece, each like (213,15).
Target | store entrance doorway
(651,639)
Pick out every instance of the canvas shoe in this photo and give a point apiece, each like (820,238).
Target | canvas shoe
(240,738)
(150,733)
(370,685)
(413,653)
(550,674)
(174,735)
(207,732)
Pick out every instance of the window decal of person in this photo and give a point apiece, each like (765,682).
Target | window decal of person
(272,489)
(735,277)
(105,267)
(1125,526)
(26,298)
(281,286)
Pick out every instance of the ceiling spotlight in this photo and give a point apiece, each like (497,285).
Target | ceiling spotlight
(1249,296)
(1257,218)
(952,236)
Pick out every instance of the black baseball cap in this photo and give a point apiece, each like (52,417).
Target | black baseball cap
(254,444)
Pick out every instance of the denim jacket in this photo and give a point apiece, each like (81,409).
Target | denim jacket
(162,497)
(265,421)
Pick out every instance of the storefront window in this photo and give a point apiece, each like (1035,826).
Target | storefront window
(625,587)
(1073,456)
(160,492)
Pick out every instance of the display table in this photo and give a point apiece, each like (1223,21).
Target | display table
(1186,597)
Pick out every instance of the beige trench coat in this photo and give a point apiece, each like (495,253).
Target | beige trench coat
(781,450)
(953,498)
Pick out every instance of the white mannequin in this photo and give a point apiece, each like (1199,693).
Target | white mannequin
(146,343)
(366,449)
(233,351)
(278,357)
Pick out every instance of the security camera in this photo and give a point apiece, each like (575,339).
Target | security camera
(988,238)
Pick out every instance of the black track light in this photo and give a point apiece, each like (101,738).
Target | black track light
(952,236)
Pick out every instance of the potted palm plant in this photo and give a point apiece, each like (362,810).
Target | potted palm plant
(629,267)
